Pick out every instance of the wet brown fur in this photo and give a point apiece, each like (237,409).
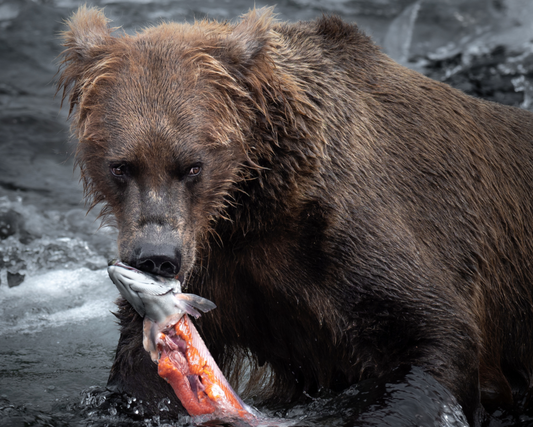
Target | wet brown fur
(352,215)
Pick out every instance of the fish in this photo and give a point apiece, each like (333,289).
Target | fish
(175,345)
(158,299)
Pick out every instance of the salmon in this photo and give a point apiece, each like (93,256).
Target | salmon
(175,345)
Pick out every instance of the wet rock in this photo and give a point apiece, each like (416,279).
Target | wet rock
(10,222)
(521,84)
(498,75)
(14,279)
(11,267)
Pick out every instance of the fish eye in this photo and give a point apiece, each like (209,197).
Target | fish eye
(195,170)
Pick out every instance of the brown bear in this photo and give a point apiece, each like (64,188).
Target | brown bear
(346,214)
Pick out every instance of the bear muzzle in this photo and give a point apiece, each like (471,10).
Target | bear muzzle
(158,259)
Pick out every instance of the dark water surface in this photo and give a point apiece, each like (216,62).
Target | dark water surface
(57,333)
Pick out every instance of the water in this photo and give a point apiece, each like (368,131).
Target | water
(57,332)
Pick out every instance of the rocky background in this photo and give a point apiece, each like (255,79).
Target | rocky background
(57,336)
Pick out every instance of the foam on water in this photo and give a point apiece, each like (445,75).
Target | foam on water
(35,241)
(52,267)
(54,299)
(57,338)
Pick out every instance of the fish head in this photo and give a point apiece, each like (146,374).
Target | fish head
(151,296)
(157,298)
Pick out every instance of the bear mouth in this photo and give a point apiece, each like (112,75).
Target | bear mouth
(180,277)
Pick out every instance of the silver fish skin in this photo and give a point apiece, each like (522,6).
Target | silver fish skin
(158,299)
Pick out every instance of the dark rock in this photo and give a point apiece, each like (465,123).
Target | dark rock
(491,76)
(14,279)
(10,223)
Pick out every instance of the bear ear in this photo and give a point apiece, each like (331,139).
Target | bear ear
(251,37)
(88,30)
(86,41)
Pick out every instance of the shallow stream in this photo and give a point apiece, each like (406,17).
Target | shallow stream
(57,331)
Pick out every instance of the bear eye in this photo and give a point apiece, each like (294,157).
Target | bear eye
(195,170)
(119,170)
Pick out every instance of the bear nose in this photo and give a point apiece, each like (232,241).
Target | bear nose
(160,260)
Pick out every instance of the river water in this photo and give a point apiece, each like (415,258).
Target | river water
(57,331)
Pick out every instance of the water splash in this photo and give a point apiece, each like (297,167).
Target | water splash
(35,241)
(54,299)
